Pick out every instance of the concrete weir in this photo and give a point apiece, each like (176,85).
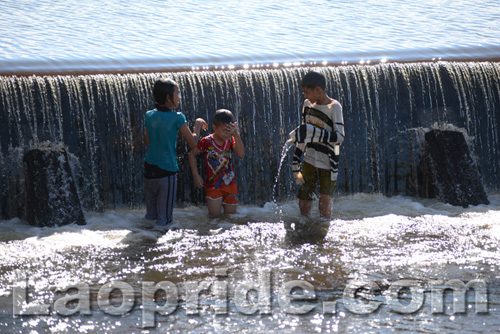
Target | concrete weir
(448,171)
(387,109)
(51,197)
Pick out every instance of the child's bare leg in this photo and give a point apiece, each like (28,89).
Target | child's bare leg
(324,206)
(214,207)
(230,208)
(305,206)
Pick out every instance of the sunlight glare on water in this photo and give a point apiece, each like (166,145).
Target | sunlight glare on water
(371,237)
(72,35)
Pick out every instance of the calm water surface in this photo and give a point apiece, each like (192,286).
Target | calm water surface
(140,35)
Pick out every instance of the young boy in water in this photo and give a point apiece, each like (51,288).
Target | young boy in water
(220,181)
(162,125)
(318,141)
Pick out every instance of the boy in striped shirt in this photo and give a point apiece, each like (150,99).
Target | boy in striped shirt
(317,144)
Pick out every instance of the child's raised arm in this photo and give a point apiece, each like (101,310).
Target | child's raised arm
(199,125)
(192,138)
(238,148)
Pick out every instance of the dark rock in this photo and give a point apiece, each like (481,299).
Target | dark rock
(51,194)
(303,230)
(448,171)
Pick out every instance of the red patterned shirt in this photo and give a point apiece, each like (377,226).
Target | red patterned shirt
(218,162)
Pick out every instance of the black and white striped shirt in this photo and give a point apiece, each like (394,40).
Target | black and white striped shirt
(319,137)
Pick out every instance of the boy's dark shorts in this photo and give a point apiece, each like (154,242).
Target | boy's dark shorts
(311,176)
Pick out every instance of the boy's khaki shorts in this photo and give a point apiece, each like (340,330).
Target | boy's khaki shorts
(311,176)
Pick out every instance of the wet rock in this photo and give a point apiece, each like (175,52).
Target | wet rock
(51,197)
(306,230)
(448,171)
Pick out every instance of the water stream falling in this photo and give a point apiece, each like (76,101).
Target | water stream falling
(387,109)
(283,156)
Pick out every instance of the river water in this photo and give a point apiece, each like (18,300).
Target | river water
(74,36)
(371,238)
(380,265)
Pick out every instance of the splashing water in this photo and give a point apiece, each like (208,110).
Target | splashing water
(284,151)
(372,238)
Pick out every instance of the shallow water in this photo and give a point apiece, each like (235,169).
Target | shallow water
(371,238)
(58,36)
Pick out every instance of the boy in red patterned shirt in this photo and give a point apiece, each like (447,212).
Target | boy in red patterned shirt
(220,183)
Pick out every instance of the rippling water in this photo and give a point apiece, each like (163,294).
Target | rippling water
(371,238)
(143,35)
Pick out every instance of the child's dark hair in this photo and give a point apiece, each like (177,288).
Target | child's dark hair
(223,116)
(314,79)
(162,88)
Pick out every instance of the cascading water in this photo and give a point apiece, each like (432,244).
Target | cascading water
(387,109)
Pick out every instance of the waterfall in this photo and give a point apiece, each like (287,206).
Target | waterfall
(387,110)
